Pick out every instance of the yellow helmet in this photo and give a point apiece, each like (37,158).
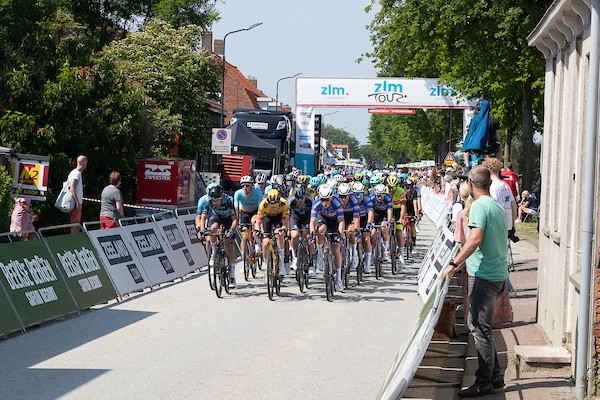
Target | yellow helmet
(273,196)
(392,181)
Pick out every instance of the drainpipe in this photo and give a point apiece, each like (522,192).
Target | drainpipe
(589,186)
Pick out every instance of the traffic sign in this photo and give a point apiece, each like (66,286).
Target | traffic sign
(221,141)
(449,159)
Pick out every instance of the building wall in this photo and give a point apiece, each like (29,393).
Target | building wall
(563,36)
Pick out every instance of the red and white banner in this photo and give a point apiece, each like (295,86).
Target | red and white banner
(391,111)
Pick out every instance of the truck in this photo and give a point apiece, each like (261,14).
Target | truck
(275,127)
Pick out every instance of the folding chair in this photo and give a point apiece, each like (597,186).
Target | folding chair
(535,213)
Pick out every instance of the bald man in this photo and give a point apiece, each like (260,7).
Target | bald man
(76,187)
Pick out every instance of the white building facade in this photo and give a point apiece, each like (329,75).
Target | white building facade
(564,37)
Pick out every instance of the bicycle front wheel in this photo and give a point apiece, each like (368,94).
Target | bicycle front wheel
(270,282)
(247,258)
(217,274)
(327,269)
(378,259)
(394,252)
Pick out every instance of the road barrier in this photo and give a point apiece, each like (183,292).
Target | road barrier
(432,290)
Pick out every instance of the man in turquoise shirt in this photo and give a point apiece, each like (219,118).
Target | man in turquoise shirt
(485,255)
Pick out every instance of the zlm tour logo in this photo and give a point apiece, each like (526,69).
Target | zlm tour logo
(386,92)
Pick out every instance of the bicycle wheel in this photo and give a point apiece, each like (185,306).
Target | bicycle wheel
(378,258)
(328,274)
(407,241)
(394,252)
(247,259)
(301,265)
(253,262)
(217,271)
(270,282)
(346,269)
(277,279)
(361,263)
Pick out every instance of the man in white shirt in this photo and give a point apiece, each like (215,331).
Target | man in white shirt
(75,179)
(501,191)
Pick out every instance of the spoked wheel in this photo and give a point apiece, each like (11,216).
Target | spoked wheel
(361,264)
(378,259)
(394,253)
(301,265)
(270,275)
(247,261)
(225,272)
(277,278)
(407,241)
(329,284)
(253,262)
(211,274)
(216,273)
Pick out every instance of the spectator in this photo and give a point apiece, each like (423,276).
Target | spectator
(527,205)
(111,208)
(75,180)
(485,254)
(500,190)
(512,179)
(22,219)
(462,218)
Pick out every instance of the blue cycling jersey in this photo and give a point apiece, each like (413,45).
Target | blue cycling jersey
(385,204)
(334,210)
(223,211)
(250,203)
(365,205)
(351,206)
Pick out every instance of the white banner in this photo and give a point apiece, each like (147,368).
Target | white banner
(435,261)
(377,92)
(188,225)
(152,252)
(305,139)
(122,264)
(175,239)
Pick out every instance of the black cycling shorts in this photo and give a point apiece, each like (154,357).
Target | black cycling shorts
(270,222)
(226,222)
(380,216)
(300,222)
(332,223)
(246,217)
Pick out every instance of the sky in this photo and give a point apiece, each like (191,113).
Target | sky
(319,38)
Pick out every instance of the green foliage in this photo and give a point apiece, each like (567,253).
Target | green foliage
(6,203)
(340,136)
(176,80)
(477,47)
(180,13)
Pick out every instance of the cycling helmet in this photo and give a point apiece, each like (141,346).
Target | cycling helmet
(325,191)
(344,189)
(380,189)
(384,177)
(358,188)
(332,183)
(280,179)
(302,180)
(273,196)
(296,173)
(247,180)
(290,178)
(312,192)
(339,178)
(375,180)
(315,181)
(273,179)
(261,178)
(358,176)
(365,181)
(215,192)
(280,188)
(335,172)
(392,181)
(299,192)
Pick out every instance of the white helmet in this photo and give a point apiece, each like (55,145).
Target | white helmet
(333,183)
(358,187)
(380,189)
(261,178)
(344,189)
(325,191)
(247,180)
(338,177)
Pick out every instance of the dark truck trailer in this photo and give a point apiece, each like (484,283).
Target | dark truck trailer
(275,128)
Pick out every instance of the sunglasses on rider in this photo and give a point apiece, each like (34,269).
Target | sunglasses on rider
(246,185)
(327,199)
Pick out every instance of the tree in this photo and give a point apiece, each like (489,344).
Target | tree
(478,48)
(340,136)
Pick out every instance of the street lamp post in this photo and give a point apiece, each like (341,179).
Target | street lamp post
(223,70)
(277,89)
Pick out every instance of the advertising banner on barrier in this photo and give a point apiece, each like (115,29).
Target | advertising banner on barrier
(174,238)
(9,321)
(195,245)
(30,176)
(151,250)
(33,283)
(121,261)
(87,279)
(438,259)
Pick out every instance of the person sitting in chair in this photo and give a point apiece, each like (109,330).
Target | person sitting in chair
(528,205)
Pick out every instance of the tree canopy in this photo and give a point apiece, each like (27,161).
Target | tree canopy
(478,47)
(341,136)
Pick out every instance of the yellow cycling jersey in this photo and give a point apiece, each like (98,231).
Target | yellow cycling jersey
(398,197)
(265,209)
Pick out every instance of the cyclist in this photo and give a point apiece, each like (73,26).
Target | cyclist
(246,201)
(399,211)
(366,220)
(273,217)
(300,208)
(383,209)
(412,204)
(216,209)
(261,182)
(351,217)
(327,216)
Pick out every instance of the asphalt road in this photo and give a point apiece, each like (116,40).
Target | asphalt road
(180,341)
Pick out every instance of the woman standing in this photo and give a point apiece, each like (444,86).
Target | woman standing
(111,208)
(22,218)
